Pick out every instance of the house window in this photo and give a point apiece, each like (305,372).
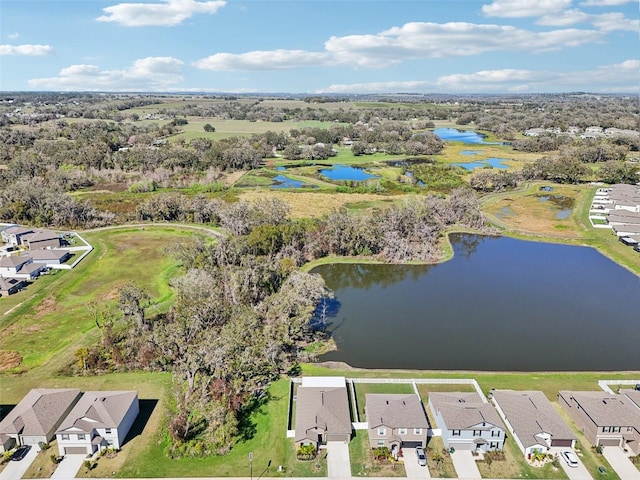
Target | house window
(455,433)
(477,433)
(65,436)
(615,429)
(417,431)
(606,429)
(493,445)
(402,431)
(382,431)
(495,433)
(381,443)
(107,431)
(81,436)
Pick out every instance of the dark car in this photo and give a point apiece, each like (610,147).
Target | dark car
(20,453)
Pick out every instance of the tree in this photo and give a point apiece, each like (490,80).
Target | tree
(133,300)
(209,128)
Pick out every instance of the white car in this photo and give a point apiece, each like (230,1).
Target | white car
(422,458)
(570,458)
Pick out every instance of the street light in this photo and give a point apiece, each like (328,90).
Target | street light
(251,465)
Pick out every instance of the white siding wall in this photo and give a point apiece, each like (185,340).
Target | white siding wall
(74,442)
(126,423)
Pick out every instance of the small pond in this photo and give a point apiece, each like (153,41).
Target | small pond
(464,136)
(563,205)
(343,172)
(471,152)
(491,161)
(500,304)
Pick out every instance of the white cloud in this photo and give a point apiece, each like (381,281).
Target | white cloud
(262,60)
(621,77)
(563,19)
(26,50)
(168,13)
(149,74)
(606,22)
(13,36)
(524,8)
(605,3)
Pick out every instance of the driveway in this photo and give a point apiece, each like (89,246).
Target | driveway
(15,470)
(68,467)
(411,464)
(574,473)
(338,460)
(621,463)
(465,465)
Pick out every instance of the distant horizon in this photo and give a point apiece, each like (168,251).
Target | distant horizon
(321,47)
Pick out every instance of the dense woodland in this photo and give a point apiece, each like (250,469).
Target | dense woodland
(243,310)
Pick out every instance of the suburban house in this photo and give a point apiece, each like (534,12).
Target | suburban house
(396,421)
(606,419)
(20,267)
(532,420)
(9,286)
(322,411)
(13,234)
(467,423)
(40,239)
(37,416)
(49,257)
(99,420)
(633,395)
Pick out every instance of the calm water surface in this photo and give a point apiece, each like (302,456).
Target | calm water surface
(499,304)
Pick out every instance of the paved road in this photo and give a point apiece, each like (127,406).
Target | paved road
(620,462)
(411,464)
(338,460)
(15,470)
(465,465)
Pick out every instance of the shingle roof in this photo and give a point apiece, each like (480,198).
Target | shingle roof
(324,408)
(47,254)
(530,414)
(99,410)
(606,409)
(464,410)
(39,411)
(42,235)
(13,261)
(395,411)
(633,395)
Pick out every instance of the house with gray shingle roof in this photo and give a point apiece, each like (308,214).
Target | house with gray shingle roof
(606,419)
(99,420)
(322,411)
(20,267)
(396,421)
(37,416)
(9,286)
(466,422)
(532,420)
(40,239)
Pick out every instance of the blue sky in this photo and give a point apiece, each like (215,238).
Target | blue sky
(321,46)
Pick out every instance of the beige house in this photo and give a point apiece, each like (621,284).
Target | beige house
(37,416)
(532,420)
(99,420)
(322,411)
(396,421)
(606,419)
(42,239)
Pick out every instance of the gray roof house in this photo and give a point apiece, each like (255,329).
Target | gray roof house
(466,422)
(9,286)
(532,420)
(322,411)
(396,421)
(13,235)
(37,416)
(99,420)
(606,419)
(49,257)
(20,267)
(42,239)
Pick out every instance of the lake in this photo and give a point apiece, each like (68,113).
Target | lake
(487,162)
(464,136)
(343,172)
(500,304)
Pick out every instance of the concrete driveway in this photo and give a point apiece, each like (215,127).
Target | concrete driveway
(411,464)
(338,459)
(15,470)
(620,462)
(68,467)
(465,464)
(574,473)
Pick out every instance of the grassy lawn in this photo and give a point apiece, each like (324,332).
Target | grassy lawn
(443,468)
(364,465)
(363,388)
(514,465)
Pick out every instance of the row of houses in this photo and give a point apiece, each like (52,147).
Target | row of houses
(619,206)
(82,423)
(466,420)
(31,238)
(589,132)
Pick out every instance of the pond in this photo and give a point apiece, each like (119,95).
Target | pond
(500,304)
(491,161)
(282,181)
(464,136)
(342,172)
(563,206)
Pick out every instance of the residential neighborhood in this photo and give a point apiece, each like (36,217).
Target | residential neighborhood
(618,207)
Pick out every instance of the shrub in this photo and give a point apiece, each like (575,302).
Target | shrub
(381,453)
(306,452)
(55,458)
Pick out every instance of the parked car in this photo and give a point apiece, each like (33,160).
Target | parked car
(422,458)
(20,452)
(570,458)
